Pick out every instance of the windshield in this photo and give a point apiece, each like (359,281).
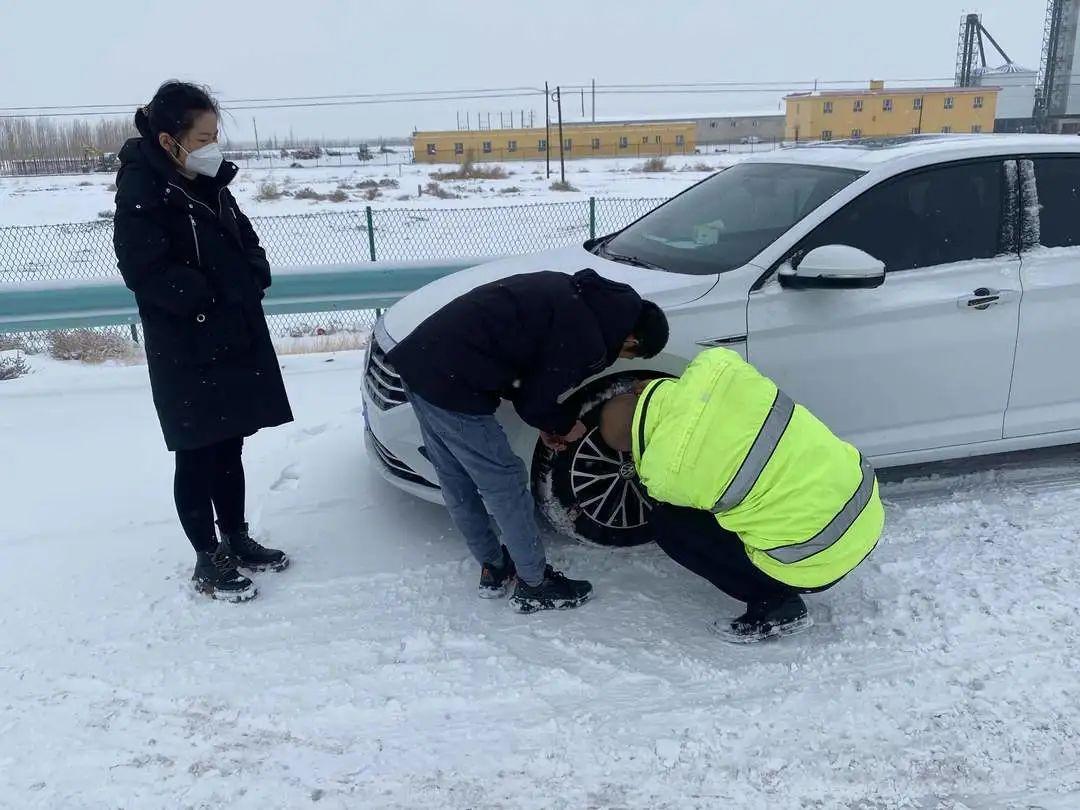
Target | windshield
(725,221)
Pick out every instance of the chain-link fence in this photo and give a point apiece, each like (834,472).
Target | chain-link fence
(84,250)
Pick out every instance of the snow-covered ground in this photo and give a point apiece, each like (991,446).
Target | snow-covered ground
(84,198)
(943,674)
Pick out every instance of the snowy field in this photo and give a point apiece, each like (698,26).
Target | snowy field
(84,198)
(940,676)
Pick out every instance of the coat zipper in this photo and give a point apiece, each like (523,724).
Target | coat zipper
(195,236)
(199,202)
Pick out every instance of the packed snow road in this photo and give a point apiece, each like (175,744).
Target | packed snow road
(942,674)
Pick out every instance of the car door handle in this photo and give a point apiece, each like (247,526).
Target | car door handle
(985,297)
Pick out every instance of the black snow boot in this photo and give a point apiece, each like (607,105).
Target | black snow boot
(785,616)
(250,555)
(217,577)
(495,578)
(556,592)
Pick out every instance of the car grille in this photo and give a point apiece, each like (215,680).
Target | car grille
(394,465)
(382,382)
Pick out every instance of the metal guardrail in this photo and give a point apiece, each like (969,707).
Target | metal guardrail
(370,285)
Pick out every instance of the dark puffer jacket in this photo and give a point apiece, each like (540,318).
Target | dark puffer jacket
(528,338)
(198,274)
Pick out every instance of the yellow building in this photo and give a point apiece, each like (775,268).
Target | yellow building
(579,141)
(878,111)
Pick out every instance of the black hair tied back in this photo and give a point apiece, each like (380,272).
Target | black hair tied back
(173,109)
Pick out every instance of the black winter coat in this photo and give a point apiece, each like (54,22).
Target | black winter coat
(528,338)
(198,274)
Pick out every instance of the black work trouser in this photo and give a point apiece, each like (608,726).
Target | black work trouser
(694,539)
(208,480)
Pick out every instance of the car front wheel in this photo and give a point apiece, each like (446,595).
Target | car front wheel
(589,491)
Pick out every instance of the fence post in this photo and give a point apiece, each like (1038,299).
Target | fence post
(592,217)
(370,231)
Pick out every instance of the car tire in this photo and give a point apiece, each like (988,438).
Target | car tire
(590,492)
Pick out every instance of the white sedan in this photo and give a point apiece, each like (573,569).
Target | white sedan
(919,294)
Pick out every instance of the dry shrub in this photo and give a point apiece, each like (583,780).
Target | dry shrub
(468,171)
(85,183)
(268,191)
(13,366)
(106,214)
(88,346)
(655,164)
(435,190)
(321,344)
(510,190)
(372,194)
(403,197)
(389,182)
(308,193)
(12,343)
(111,187)
(697,167)
(337,196)
(367,184)
(562,185)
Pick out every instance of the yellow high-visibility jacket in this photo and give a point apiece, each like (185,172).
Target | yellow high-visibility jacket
(724,438)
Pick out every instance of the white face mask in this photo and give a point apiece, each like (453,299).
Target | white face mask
(205,160)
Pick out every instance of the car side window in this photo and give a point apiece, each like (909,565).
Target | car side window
(923,219)
(1057,180)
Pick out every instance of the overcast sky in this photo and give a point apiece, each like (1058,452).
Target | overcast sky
(118,51)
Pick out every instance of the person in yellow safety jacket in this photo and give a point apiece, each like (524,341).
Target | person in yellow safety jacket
(754,492)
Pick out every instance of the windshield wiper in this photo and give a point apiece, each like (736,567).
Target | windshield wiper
(634,260)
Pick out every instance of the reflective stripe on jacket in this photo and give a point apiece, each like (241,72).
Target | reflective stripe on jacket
(723,438)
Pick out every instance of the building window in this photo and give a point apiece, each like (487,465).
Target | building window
(826,134)
(432,149)
(886,105)
(658,139)
(949,102)
(734,123)
(595,143)
(917,103)
(915,130)
(755,123)
(856,133)
(712,125)
(680,140)
(511,146)
(566,144)
(624,142)
(946,130)
(487,147)
(644,138)
(858,105)
(978,102)
(542,145)
(459,149)
(828,107)
(976,128)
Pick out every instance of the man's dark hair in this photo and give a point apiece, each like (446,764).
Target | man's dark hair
(651,330)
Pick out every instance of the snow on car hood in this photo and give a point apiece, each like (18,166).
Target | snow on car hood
(666,289)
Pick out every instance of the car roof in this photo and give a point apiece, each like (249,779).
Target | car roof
(910,151)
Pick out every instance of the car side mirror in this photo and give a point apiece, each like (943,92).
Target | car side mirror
(834,267)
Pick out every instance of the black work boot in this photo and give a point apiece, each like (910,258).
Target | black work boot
(556,592)
(784,616)
(217,577)
(495,578)
(249,554)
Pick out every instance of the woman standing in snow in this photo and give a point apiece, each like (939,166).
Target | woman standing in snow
(198,274)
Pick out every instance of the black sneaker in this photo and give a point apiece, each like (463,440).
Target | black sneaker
(764,620)
(495,578)
(217,577)
(556,592)
(252,556)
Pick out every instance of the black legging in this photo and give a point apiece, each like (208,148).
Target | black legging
(210,479)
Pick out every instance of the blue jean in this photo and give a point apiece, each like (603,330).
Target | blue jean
(480,474)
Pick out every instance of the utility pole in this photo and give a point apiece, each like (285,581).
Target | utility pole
(582,102)
(562,156)
(594,101)
(258,154)
(547,117)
